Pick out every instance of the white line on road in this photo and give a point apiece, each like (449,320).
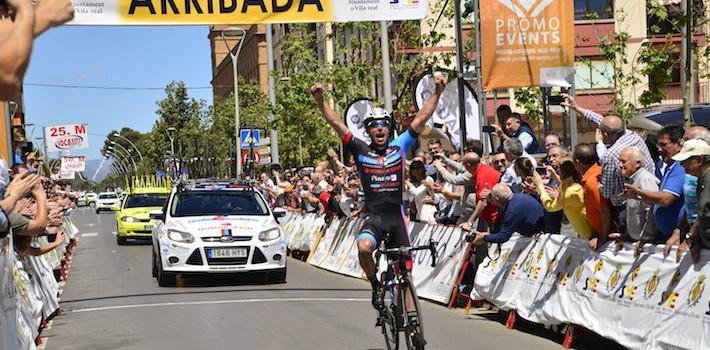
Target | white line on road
(113,233)
(216,302)
(92,234)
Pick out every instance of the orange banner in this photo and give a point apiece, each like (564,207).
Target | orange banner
(527,43)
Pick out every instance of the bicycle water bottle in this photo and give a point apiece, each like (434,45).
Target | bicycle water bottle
(390,286)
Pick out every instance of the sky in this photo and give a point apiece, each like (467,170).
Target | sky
(111,57)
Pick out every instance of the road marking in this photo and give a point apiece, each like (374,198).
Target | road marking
(217,302)
(113,233)
(92,234)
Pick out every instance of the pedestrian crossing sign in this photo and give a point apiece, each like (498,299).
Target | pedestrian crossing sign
(249,137)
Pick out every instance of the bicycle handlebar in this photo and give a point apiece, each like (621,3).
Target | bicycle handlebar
(431,247)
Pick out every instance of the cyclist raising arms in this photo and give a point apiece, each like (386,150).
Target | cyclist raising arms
(381,166)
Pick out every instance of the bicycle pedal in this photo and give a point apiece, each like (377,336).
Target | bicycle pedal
(379,322)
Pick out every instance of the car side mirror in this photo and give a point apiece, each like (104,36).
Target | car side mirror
(157,215)
(279,213)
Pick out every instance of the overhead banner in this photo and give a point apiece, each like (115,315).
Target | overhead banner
(644,302)
(66,137)
(527,43)
(201,12)
(73,164)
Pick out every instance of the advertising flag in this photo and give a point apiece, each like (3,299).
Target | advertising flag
(527,43)
(201,12)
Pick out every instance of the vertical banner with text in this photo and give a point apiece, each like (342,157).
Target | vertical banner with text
(527,43)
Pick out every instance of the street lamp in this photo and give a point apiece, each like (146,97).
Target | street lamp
(234,32)
(171,135)
(119,160)
(129,161)
(140,155)
(128,153)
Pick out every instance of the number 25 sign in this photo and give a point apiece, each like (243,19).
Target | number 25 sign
(66,137)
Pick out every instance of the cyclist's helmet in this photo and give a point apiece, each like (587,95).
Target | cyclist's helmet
(376,116)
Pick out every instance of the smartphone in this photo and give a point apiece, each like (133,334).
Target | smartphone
(488,129)
(555,100)
(438,125)
(541,170)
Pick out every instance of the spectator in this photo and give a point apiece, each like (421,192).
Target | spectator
(695,158)
(551,140)
(29,21)
(475,146)
(20,187)
(618,137)
(484,179)
(514,150)
(288,200)
(463,178)
(569,198)
(499,162)
(503,112)
(639,222)
(587,164)
(521,213)
(515,128)
(690,187)
(419,193)
(668,203)
(553,219)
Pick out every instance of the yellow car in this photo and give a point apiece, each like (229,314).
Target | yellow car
(133,217)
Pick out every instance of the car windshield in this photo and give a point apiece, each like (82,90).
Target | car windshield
(218,203)
(108,196)
(146,200)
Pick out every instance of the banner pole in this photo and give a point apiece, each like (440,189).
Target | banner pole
(459,77)
(386,73)
(479,76)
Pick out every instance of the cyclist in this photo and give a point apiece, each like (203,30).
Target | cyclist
(381,166)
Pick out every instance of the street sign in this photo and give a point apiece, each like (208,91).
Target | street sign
(245,157)
(66,137)
(159,174)
(250,136)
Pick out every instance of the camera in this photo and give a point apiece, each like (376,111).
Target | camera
(488,129)
(555,100)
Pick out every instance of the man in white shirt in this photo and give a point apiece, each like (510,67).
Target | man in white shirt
(513,149)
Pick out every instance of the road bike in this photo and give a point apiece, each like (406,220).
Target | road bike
(397,282)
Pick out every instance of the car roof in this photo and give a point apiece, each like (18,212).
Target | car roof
(655,119)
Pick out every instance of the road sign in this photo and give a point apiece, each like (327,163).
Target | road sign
(250,136)
(159,174)
(245,157)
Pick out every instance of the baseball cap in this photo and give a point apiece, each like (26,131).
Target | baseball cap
(692,148)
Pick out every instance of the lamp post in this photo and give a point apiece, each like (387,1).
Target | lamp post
(128,153)
(126,156)
(171,135)
(119,160)
(140,155)
(235,32)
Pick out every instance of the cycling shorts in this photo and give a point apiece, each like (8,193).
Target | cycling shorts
(377,226)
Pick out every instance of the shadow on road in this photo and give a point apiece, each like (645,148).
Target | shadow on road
(583,339)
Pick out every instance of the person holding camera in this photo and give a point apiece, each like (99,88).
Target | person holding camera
(516,129)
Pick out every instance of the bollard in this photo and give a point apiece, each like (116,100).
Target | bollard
(569,337)
(512,317)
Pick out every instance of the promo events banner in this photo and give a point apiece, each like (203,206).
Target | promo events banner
(527,43)
(645,302)
(189,12)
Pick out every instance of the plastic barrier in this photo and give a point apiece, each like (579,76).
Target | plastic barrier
(645,302)
(333,248)
(29,289)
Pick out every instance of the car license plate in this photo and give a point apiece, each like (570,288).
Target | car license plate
(148,228)
(228,253)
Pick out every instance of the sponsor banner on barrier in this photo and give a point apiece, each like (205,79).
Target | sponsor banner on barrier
(66,137)
(527,43)
(200,12)
(648,302)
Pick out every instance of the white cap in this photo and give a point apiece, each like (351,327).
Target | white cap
(692,148)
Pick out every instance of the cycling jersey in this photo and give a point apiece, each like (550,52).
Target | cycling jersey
(382,176)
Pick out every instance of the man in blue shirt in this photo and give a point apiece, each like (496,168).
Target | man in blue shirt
(669,202)
(521,213)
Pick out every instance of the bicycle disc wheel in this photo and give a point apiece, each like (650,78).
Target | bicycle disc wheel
(413,334)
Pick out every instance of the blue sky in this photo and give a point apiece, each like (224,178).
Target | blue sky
(112,56)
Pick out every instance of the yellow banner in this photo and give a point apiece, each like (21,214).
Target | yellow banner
(527,43)
(200,12)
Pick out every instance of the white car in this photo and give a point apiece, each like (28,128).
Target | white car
(211,227)
(107,201)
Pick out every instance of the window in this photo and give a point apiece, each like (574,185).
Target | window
(593,9)
(208,203)
(594,74)
(146,200)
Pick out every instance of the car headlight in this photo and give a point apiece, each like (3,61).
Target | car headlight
(180,236)
(129,219)
(270,235)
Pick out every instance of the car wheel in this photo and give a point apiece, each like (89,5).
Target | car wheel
(165,279)
(277,276)
(92,205)
(155,266)
(98,211)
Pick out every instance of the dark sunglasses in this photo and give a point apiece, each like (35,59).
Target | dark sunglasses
(377,123)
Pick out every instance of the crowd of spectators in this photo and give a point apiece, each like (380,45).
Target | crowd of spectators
(613,189)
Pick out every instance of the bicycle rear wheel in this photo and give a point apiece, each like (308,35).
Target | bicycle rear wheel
(413,333)
(389,321)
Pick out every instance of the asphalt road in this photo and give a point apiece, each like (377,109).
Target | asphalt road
(112,302)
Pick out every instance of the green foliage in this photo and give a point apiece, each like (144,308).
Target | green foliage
(530,99)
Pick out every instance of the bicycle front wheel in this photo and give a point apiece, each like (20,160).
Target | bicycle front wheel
(388,320)
(413,333)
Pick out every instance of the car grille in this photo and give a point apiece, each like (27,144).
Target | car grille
(229,261)
(195,258)
(218,239)
(258,257)
(145,220)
